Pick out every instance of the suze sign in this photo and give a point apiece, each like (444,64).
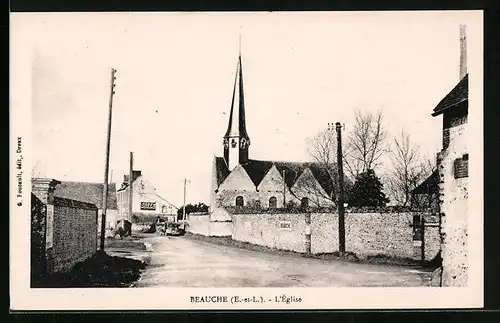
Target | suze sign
(149,206)
(285,225)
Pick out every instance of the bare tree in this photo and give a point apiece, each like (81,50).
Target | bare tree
(408,169)
(366,143)
(322,148)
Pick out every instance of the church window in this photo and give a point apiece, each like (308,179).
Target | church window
(239,201)
(304,203)
(273,202)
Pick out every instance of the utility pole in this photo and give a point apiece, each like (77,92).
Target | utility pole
(330,129)
(184,204)
(106,167)
(338,127)
(284,189)
(130,190)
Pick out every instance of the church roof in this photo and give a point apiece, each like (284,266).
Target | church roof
(237,113)
(221,170)
(429,185)
(457,95)
(257,170)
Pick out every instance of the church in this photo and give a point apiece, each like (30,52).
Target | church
(239,181)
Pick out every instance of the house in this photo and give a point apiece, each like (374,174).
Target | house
(452,162)
(91,193)
(147,204)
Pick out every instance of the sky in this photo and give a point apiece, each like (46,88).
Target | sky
(175,74)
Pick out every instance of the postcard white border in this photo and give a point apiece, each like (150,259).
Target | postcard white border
(24,298)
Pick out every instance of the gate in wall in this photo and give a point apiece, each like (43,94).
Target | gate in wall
(420,225)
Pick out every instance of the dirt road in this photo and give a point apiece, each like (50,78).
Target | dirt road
(184,262)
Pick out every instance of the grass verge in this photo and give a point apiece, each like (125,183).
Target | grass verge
(129,243)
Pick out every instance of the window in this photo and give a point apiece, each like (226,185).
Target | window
(239,201)
(164,209)
(304,203)
(273,202)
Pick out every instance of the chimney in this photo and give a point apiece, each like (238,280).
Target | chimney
(136,174)
(463,52)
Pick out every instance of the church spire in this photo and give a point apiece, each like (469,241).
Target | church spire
(236,139)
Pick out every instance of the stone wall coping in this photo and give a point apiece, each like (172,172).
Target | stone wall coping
(59,201)
(198,213)
(44,181)
(244,210)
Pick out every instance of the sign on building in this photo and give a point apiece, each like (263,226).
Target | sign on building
(286,225)
(148,206)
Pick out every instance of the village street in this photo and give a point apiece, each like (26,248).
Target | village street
(185,262)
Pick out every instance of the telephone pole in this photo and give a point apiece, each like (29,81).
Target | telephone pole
(284,189)
(338,127)
(184,204)
(106,167)
(130,191)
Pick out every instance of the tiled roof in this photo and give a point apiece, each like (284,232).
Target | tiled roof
(429,185)
(87,193)
(221,170)
(257,170)
(135,175)
(457,95)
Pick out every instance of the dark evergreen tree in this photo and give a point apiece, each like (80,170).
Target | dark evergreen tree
(367,191)
(200,207)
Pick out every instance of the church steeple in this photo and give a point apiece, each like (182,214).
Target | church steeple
(236,139)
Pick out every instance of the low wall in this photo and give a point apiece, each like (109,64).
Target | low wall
(367,234)
(200,223)
(74,233)
(220,229)
(280,231)
(324,233)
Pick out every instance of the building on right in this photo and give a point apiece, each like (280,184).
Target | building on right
(452,165)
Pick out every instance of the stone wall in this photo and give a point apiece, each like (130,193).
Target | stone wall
(280,231)
(74,233)
(324,232)
(367,234)
(64,231)
(454,210)
(370,234)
